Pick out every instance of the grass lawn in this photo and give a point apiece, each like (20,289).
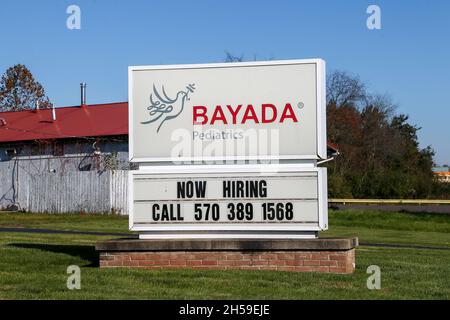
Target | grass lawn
(33,266)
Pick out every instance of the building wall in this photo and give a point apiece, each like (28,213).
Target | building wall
(71,192)
(443,176)
(60,156)
(76,175)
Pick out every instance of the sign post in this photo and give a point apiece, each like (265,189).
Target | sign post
(228,174)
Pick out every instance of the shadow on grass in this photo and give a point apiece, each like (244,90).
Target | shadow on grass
(83,252)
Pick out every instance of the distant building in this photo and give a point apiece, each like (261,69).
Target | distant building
(442,174)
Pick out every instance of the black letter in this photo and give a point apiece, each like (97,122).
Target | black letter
(226,189)
(200,188)
(263,188)
(180,190)
(155,215)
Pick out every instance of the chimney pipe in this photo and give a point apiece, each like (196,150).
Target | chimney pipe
(53,113)
(83,94)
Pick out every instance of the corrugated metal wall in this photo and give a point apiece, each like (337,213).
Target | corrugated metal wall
(118,191)
(73,191)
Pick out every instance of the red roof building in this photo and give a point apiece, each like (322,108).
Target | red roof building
(71,122)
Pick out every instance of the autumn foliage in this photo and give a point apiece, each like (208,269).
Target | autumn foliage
(379,150)
(20,91)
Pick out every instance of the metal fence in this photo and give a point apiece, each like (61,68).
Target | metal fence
(72,191)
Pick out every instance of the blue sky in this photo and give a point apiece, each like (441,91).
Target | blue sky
(407,59)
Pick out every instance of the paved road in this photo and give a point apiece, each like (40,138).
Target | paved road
(394,207)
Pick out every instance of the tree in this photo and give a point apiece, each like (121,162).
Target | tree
(344,89)
(20,91)
(379,151)
(229,57)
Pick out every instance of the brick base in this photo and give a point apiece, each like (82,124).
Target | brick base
(307,261)
(283,257)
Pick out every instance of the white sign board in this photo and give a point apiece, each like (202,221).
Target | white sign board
(199,201)
(228,111)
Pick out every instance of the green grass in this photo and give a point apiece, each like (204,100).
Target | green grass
(371,226)
(33,266)
(75,221)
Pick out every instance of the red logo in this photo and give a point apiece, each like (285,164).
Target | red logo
(267,113)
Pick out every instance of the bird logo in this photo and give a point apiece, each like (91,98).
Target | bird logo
(164,108)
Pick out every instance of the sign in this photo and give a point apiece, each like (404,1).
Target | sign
(228,111)
(196,130)
(241,199)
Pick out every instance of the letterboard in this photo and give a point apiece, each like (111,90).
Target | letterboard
(228,200)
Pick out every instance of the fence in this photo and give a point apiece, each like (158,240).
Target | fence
(72,191)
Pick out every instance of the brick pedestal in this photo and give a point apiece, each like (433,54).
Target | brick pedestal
(333,255)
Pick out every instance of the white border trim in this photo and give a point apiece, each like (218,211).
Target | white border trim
(225,64)
(321,110)
(300,235)
(130,114)
(321,151)
(130,199)
(323,198)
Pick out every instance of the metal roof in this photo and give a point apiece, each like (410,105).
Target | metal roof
(71,122)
